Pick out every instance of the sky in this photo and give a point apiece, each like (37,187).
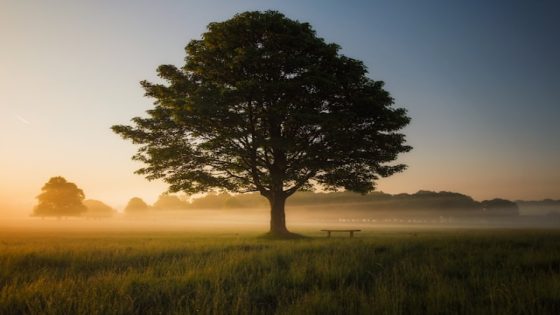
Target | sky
(480,80)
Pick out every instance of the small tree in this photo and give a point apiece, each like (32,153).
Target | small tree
(98,209)
(262,104)
(60,198)
(499,207)
(171,202)
(136,205)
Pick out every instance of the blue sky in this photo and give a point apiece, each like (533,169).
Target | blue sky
(480,79)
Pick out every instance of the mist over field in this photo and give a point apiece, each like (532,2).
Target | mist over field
(225,213)
(316,157)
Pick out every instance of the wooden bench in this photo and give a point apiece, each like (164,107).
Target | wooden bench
(349,231)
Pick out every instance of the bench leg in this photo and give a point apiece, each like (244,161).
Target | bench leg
(351,234)
(328,233)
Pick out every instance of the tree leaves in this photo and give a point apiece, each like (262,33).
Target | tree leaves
(263,104)
(60,198)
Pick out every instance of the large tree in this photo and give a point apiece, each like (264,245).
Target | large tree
(60,198)
(263,104)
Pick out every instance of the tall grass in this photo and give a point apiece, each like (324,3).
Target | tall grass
(469,272)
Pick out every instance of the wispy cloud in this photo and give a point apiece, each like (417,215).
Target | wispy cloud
(22,120)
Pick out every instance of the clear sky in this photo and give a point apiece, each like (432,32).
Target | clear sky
(481,81)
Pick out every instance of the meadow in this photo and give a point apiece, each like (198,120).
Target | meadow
(380,271)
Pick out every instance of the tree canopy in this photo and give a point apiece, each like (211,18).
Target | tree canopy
(98,209)
(170,202)
(136,205)
(263,104)
(60,198)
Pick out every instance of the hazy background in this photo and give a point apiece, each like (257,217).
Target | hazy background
(480,81)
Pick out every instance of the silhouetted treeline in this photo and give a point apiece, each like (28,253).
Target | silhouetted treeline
(540,207)
(422,204)
(426,202)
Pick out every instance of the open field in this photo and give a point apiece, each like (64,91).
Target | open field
(380,271)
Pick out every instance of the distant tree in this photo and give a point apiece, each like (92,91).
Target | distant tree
(225,200)
(500,207)
(60,198)
(170,202)
(443,200)
(211,201)
(97,209)
(247,200)
(136,205)
(538,207)
(263,104)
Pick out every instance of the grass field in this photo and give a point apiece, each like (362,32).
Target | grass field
(378,272)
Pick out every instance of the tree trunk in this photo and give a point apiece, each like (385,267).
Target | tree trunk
(277,214)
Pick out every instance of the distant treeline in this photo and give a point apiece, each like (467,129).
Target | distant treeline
(428,202)
(539,207)
(61,198)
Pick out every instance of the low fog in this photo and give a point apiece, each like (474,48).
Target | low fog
(306,211)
